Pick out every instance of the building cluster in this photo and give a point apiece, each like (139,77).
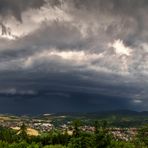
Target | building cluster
(40,125)
(125,134)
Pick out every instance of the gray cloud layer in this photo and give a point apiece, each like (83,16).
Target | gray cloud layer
(16,7)
(85,55)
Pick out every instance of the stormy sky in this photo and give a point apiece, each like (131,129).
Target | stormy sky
(73,55)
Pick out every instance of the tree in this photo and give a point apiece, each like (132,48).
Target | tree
(7,134)
(102,137)
(122,144)
(76,125)
(23,132)
(143,134)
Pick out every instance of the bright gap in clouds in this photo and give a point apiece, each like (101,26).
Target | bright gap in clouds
(9,37)
(120,48)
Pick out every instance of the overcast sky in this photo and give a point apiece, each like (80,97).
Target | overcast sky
(73,55)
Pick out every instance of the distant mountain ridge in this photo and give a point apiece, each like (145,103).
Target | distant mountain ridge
(105,113)
(89,114)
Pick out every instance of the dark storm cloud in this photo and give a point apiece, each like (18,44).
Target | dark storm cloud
(67,90)
(76,102)
(73,55)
